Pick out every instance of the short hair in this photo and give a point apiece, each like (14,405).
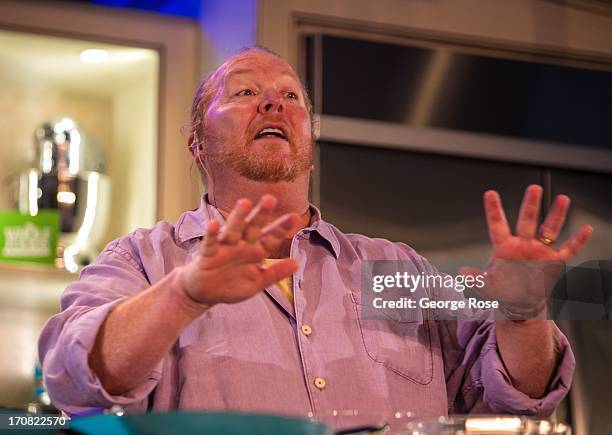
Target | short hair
(209,86)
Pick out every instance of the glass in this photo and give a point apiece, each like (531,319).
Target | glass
(484,425)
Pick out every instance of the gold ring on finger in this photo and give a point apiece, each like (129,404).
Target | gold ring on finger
(546,240)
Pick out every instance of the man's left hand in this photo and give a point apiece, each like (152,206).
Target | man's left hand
(525,266)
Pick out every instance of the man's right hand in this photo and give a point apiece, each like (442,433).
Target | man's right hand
(228,267)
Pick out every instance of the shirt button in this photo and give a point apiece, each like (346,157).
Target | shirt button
(319,383)
(306,330)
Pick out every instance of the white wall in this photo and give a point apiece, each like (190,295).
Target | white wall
(132,164)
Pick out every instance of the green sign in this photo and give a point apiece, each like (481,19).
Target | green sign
(25,238)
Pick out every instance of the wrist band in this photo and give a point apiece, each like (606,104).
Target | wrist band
(512,312)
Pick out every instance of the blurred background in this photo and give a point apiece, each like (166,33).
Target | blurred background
(422,106)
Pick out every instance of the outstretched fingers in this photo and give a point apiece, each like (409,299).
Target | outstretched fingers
(496,218)
(575,243)
(211,239)
(277,271)
(274,234)
(232,232)
(258,217)
(556,218)
(527,222)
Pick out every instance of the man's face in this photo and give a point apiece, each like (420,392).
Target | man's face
(258,122)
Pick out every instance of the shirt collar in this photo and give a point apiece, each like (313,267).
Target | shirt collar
(324,229)
(192,224)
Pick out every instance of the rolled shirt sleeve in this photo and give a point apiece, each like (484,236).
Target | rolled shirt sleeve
(502,397)
(478,382)
(68,337)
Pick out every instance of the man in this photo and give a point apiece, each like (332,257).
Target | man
(188,315)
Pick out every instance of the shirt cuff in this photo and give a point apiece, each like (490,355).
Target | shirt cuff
(503,397)
(76,346)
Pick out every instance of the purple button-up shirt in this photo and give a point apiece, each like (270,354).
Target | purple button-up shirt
(255,355)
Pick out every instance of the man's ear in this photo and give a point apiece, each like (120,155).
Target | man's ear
(192,144)
(195,149)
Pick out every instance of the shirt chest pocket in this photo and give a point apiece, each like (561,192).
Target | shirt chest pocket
(403,347)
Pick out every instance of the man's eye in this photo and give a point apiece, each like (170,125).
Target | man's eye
(245,92)
(292,95)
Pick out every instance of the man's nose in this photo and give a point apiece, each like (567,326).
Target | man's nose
(271,102)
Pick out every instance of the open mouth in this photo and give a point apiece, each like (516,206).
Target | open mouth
(271,132)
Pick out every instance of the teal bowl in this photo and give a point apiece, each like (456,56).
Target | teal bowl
(194,423)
